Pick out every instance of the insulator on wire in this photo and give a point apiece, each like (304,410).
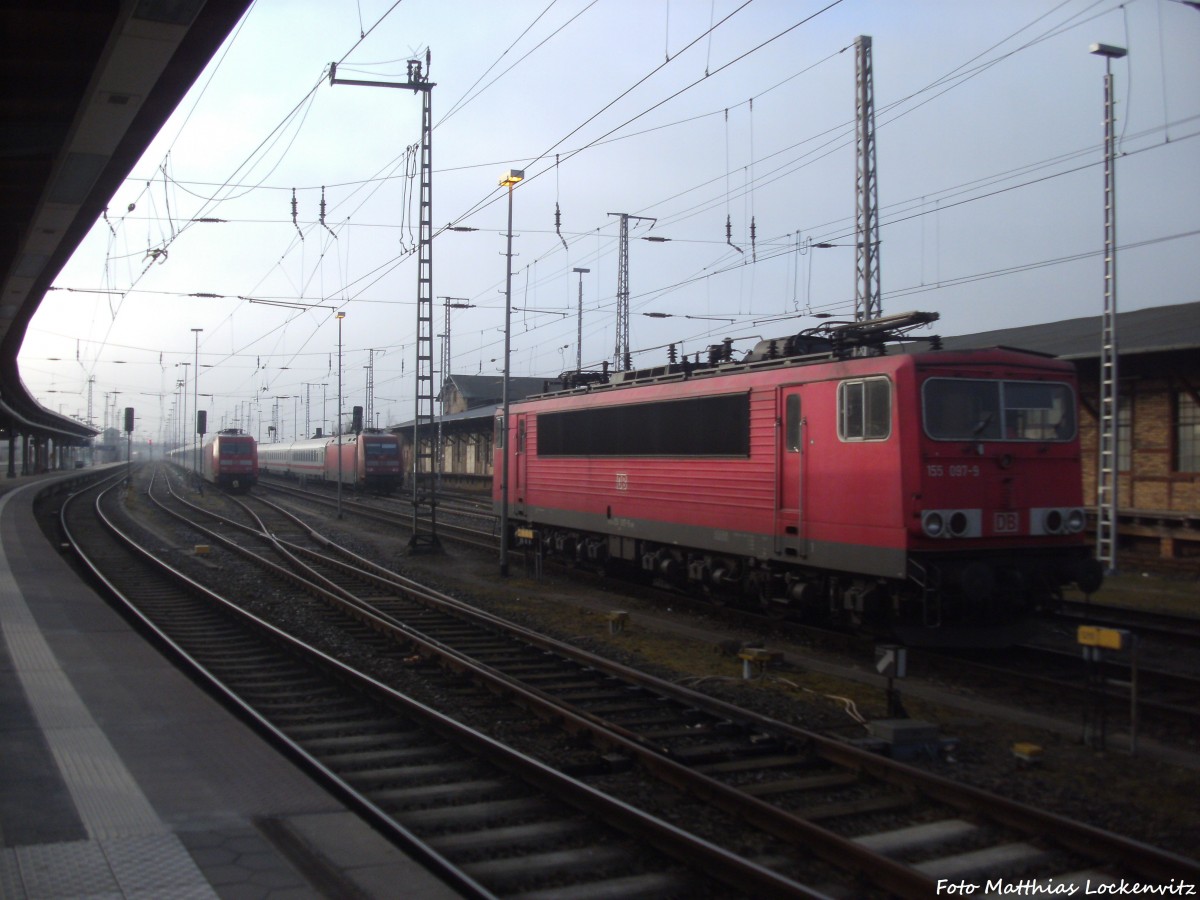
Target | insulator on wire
(294,217)
(326,227)
(558,226)
(729,235)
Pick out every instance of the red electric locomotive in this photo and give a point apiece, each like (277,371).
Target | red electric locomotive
(229,459)
(371,460)
(933,496)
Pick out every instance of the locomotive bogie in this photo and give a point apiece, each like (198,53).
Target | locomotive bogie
(939,493)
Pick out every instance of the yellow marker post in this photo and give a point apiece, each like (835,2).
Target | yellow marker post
(1094,640)
(1104,638)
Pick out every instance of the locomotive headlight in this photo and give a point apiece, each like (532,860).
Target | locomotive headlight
(1054,521)
(1076,520)
(959,524)
(933,524)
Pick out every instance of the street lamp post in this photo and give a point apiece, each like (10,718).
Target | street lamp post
(196,407)
(180,412)
(183,422)
(340,316)
(579,328)
(510,180)
(1108,459)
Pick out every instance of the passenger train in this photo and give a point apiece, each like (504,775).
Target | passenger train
(933,496)
(228,459)
(371,460)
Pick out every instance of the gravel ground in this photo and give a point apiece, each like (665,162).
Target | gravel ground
(1143,797)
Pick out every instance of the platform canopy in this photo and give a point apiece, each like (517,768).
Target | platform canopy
(87,86)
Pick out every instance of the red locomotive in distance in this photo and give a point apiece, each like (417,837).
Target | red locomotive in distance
(931,496)
(228,459)
(371,460)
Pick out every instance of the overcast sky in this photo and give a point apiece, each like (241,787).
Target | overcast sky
(697,114)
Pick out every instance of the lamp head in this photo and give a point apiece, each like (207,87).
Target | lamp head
(513,176)
(1108,50)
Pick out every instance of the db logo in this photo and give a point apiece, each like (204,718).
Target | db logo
(622,481)
(1006,522)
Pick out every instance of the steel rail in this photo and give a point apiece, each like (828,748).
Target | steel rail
(693,851)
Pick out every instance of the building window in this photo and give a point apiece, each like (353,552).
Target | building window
(1187,432)
(1125,434)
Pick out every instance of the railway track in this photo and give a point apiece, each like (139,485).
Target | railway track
(1146,624)
(391,512)
(898,828)
(1168,700)
(471,507)
(490,820)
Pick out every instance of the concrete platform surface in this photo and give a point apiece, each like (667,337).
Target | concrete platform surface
(120,778)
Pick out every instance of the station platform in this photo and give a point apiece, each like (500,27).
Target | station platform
(121,778)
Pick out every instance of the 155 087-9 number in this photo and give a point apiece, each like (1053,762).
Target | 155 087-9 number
(935,470)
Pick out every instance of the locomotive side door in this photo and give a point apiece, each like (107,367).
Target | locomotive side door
(789,516)
(520,459)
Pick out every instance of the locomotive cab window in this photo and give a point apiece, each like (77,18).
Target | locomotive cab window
(865,410)
(958,409)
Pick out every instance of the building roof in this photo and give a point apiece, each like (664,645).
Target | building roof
(483,396)
(1156,330)
(481,389)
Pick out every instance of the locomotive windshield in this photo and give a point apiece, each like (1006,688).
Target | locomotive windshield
(380,448)
(962,409)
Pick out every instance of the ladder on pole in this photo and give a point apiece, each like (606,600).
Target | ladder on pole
(1108,460)
(425,471)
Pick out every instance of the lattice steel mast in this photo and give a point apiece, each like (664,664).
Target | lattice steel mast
(621,355)
(423,475)
(449,304)
(867,303)
(369,418)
